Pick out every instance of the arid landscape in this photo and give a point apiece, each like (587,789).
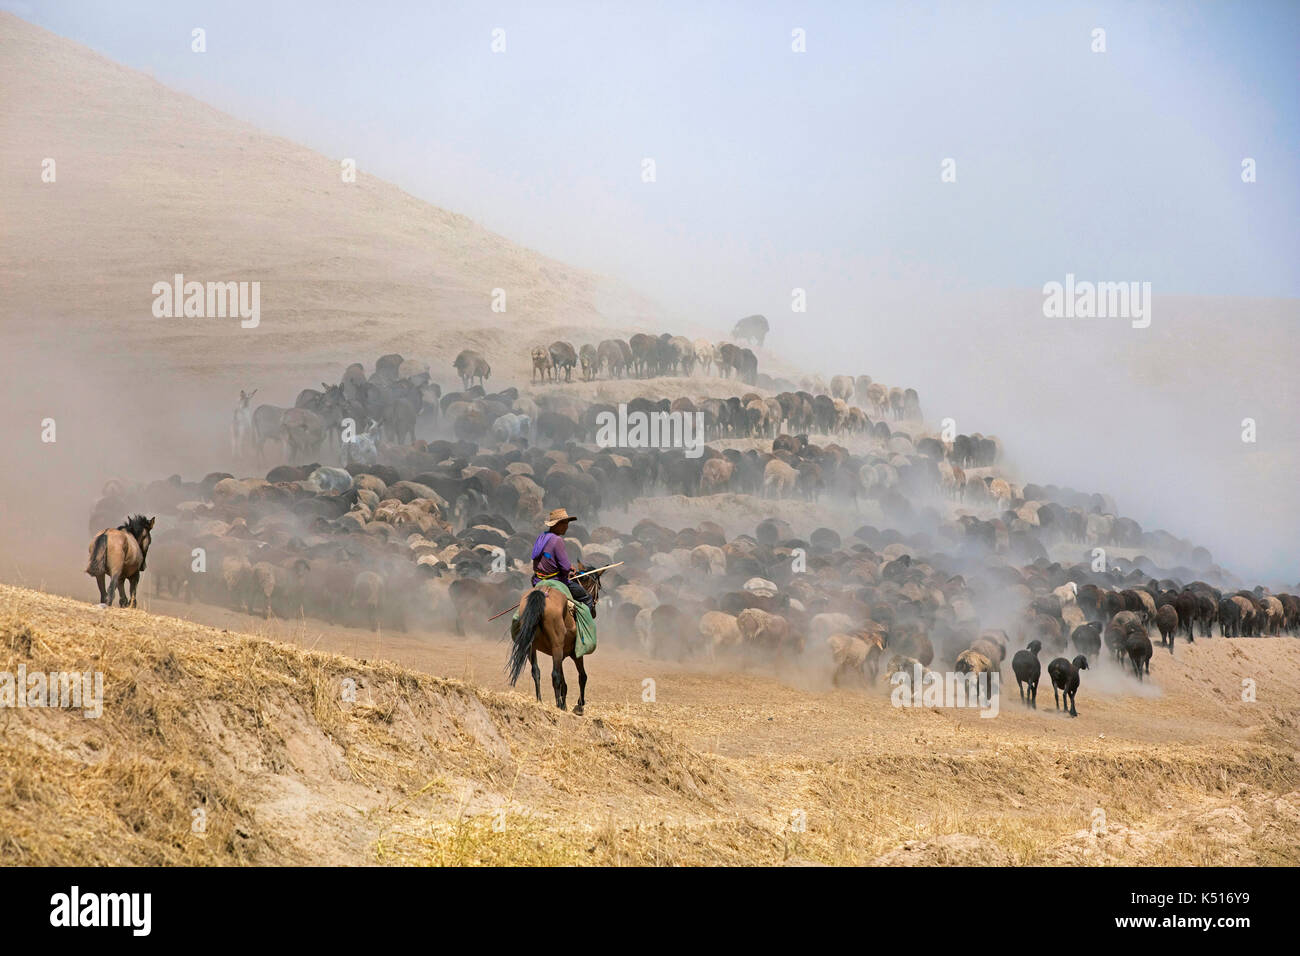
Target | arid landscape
(326,689)
(438,762)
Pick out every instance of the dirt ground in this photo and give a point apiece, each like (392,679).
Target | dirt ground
(704,765)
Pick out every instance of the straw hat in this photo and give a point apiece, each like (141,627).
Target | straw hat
(557,516)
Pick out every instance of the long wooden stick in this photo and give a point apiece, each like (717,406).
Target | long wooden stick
(572,577)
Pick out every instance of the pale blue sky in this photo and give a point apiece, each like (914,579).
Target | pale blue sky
(778,169)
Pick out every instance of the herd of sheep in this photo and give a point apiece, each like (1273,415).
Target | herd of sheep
(643,356)
(436,532)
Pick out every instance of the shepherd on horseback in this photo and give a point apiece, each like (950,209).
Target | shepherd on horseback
(548,621)
(551,561)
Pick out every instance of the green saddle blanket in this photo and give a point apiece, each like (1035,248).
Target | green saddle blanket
(586,641)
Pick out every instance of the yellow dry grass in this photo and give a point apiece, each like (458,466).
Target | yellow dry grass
(429,771)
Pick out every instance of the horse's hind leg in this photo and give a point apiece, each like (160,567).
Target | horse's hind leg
(537,674)
(103,597)
(134,581)
(582,686)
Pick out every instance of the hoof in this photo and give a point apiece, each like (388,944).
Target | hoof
(578,710)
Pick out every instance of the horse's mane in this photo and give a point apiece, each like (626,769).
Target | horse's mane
(135,525)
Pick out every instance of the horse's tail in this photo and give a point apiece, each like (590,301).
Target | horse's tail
(529,621)
(98,556)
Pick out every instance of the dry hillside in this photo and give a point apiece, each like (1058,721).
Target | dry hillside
(151,182)
(720,768)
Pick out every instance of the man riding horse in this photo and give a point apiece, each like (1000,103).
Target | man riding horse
(547,622)
(551,561)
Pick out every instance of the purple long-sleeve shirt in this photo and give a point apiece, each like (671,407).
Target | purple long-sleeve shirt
(550,560)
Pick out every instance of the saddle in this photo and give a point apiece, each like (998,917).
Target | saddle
(570,605)
(582,619)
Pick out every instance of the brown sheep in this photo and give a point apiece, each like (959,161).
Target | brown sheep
(849,654)
(761,629)
(280,584)
(973,662)
(542,364)
(1274,613)
(878,397)
(842,387)
(237,575)
(715,476)
(991,651)
(780,479)
(721,632)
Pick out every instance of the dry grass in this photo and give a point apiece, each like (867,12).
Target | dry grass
(424,770)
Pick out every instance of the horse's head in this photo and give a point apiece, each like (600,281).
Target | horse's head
(591,582)
(139,527)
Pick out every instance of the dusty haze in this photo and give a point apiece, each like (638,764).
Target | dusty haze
(151,182)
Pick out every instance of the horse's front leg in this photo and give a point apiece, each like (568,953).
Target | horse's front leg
(134,581)
(582,686)
(557,677)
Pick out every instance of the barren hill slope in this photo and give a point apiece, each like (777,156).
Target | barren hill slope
(257,739)
(150,183)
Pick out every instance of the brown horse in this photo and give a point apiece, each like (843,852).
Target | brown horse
(119,554)
(547,624)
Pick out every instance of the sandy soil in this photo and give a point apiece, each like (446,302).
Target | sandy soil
(739,767)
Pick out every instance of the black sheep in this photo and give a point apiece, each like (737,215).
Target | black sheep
(1027,670)
(1065,679)
(1167,621)
(1087,640)
(1138,646)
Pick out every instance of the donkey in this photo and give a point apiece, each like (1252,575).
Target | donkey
(332,406)
(119,554)
(547,624)
(267,421)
